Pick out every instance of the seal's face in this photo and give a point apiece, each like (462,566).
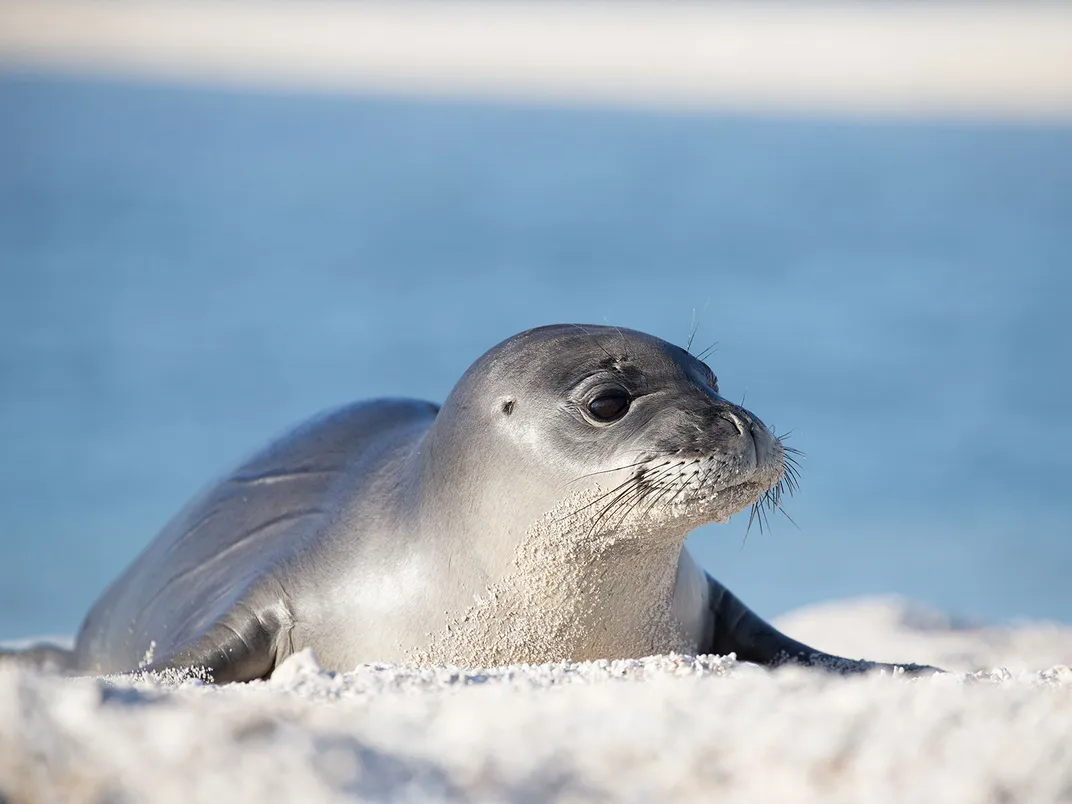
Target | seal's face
(638,419)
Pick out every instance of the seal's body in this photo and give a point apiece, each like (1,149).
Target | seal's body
(539,516)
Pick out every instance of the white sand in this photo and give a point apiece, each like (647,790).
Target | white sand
(658,729)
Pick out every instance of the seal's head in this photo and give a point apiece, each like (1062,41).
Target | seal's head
(635,421)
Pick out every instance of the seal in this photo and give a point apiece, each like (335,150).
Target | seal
(539,515)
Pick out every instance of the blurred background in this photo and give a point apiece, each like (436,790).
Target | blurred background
(216,221)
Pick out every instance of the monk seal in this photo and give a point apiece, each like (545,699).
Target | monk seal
(539,515)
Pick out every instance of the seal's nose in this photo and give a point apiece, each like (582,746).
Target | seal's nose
(750,429)
(763,440)
(732,418)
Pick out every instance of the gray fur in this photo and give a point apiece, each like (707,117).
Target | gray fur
(508,526)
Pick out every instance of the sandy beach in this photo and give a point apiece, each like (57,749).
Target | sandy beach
(660,728)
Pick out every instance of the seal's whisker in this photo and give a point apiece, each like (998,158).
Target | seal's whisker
(648,493)
(653,494)
(635,485)
(791,478)
(621,488)
(608,471)
(785,513)
(695,326)
(596,342)
(792,482)
(630,507)
(692,332)
(607,513)
(772,500)
(747,530)
(666,488)
(759,512)
(706,353)
(652,484)
(662,492)
(684,484)
(634,479)
(707,473)
(762,519)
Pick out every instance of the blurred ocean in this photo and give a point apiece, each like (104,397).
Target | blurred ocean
(185,273)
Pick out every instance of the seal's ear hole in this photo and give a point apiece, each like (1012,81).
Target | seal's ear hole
(508,406)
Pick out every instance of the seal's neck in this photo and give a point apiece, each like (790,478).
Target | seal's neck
(574,591)
(480,506)
(611,583)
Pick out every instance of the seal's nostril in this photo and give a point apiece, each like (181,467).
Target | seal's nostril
(732,419)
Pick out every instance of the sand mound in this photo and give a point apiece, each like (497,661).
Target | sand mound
(656,729)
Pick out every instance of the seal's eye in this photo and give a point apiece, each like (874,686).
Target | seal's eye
(609,407)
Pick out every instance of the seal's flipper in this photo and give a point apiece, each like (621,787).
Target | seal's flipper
(42,656)
(230,650)
(735,628)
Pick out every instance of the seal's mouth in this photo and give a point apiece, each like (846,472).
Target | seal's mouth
(703,488)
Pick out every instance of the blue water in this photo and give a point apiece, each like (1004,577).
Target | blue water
(185,273)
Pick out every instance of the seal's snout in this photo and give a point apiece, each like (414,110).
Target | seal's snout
(741,438)
(738,431)
(768,448)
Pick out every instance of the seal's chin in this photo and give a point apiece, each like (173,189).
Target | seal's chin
(734,499)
